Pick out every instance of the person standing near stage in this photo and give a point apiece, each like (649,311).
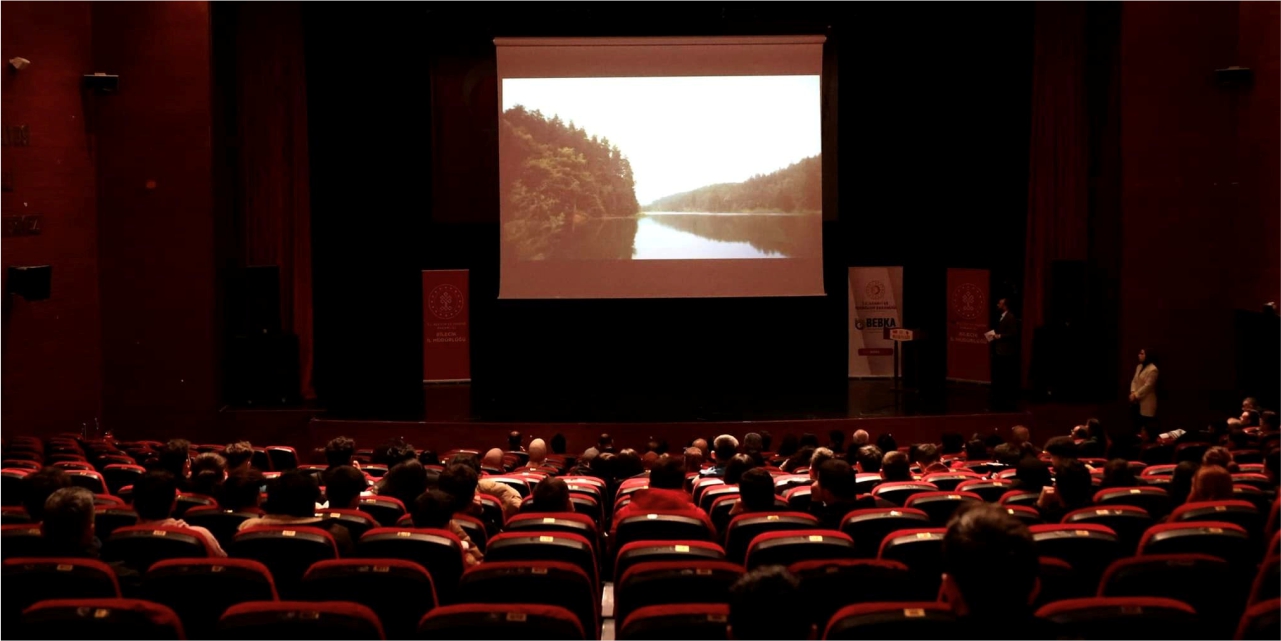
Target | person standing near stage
(1143,392)
(1006,370)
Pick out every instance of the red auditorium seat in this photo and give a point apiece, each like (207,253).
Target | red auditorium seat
(948,481)
(990,490)
(898,492)
(1028,515)
(399,592)
(286,550)
(1267,583)
(1204,582)
(282,457)
(16,463)
(438,551)
(1123,618)
(1128,522)
(100,619)
(108,519)
(139,546)
(385,509)
(664,525)
(1153,499)
(11,485)
(574,549)
(500,621)
(721,508)
(940,505)
(1227,541)
(1087,547)
(14,515)
(31,580)
(261,461)
(1164,469)
(1060,581)
(21,540)
(904,620)
(685,621)
(1261,621)
(921,550)
(1019,497)
(745,527)
(681,551)
(708,497)
(1254,496)
(701,485)
(829,585)
(200,590)
(118,475)
(1238,512)
(792,546)
(1255,479)
(223,524)
(356,522)
(374,470)
(299,620)
(587,506)
(786,482)
(799,498)
(673,582)
(108,500)
(68,466)
(545,582)
(189,500)
(570,523)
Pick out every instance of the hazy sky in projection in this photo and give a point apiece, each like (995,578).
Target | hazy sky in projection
(681,133)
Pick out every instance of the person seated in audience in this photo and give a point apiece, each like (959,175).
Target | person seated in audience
(1211,483)
(650,459)
(1220,456)
(241,490)
(927,456)
(428,457)
(537,453)
(1032,475)
(174,457)
(1181,482)
(68,531)
(208,471)
(493,459)
(514,442)
(861,438)
(339,451)
(895,467)
(836,441)
(1250,403)
(693,461)
(886,442)
(1117,473)
(404,481)
(1269,422)
(394,452)
(817,459)
(753,447)
(701,445)
(605,443)
(755,492)
(628,464)
(788,446)
(1249,418)
(990,575)
(1007,454)
(766,604)
(835,494)
(154,494)
(507,496)
(583,466)
(239,455)
(725,447)
(738,464)
(1072,490)
(343,487)
(37,487)
(666,492)
(1096,440)
(552,495)
(975,450)
(558,444)
(868,459)
(799,459)
(291,500)
(1062,450)
(1021,438)
(435,509)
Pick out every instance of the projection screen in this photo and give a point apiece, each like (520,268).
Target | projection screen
(660,167)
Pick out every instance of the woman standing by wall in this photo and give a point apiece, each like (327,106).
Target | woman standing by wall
(1143,392)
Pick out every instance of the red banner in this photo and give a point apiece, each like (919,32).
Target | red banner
(968,310)
(446,334)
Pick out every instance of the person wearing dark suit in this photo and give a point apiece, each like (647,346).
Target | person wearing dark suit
(1005,358)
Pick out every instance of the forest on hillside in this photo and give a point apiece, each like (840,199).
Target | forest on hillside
(797,188)
(565,194)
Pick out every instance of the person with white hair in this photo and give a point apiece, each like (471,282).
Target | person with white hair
(723,449)
(861,437)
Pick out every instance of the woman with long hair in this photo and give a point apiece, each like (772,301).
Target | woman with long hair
(1143,392)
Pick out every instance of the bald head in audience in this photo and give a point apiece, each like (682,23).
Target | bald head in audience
(493,458)
(537,452)
(861,437)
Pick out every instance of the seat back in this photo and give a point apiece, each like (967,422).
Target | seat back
(500,621)
(1227,541)
(1060,581)
(1153,499)
(32,579)
(118,475)
(385,509)
(286,550)
(947,481)
(356,522)
(673,583)
(107,520)
(1267,583)
(1088,548)
(786,547)
(904,620)
(869,527)
(546,546)
(223,524)
(941,505)
(1184,578)
(990,490)
(1241,513)
(543,582)
(745,527)
(139,546)
(1128,522)
(299,620)
(399,592)
(660,525)
(569,523)
(799,498)
(829,585)
(1261,621)
(21,540)
(897,492)
(282,457)
(921,550)
(684,621)
(437,551)
(680,551)
(1136,617)
(200,590)
(100,619)
(188,500)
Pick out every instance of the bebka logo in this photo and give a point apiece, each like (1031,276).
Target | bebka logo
(968,300)
(445,302)
(875,322)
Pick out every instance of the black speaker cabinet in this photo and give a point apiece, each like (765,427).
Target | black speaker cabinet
(32,282)
(253,301)
(262,369)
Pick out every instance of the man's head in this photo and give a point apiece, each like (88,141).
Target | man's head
(343,485)
(434,509)
(668,474)
(552,495)
(861,437)
(68,520)
(241,490)
(393,452)
(701,445)
(752,442)
(537,452)
(726,447)
(404,481)
(154,494)
(756,490)
(737,465)
(763,604)
(174,457)
(37,487)
(1061,450)
(990,563)
(514,441)
(1249,418)
(926,455)
(1074,484)
(459,481)
(895,467)
(558,444)
(493,458)
(292,494)
(1003,305)
(1007,453)
(1269,421)
(209,462)
(239,455)
(1250,403)
(339,450)
(836,482)
(818,458)
(869,459)
(1019,435)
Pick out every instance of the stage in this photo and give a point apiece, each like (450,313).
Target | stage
(455,416)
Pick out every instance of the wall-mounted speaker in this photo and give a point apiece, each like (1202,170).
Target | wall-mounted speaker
(32,282)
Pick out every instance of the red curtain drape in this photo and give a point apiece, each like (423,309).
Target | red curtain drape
(1058,180)
(271,137)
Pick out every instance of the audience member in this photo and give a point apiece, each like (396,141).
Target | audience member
(755,492)
(693,461)
(886,442)
(404,481)
(339,451)
(1249,418)
(435,509)
(537,452)
(808,439)
(1211,483)
(239,455)
(1117,473)
(558,444)
(701,445)
(241,491)
(493,459)
(1269,422)
(869,459)
(1031,475)
(767,439)
(68,531)
(665,491)
(975,450)
(861,438)
(583,466)
(1007,454)
(174,457)
(628,464)
(1062,451)
(763,604)
(817,459)
(154,494)
(291,500)
(753,447)
(1073,490)
(37,487)
(1250,403)
(1181,482)
(343,487)
(507,496)
(798,460)
(738,464)
(1022,438)
(394,452)
(514,442)
(726,447)
(835,494)
(1220,456)
(896,467)
(836,440)
(927,457)
(552,495)
(208,471)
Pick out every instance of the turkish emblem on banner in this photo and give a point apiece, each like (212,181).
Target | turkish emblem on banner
(446,333)
(967,320)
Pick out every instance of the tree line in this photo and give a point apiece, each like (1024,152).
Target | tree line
(797,188)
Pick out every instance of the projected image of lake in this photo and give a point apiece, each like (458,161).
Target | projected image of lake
(680,235)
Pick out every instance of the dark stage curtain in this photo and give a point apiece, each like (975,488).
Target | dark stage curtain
(273,194)
(1058,180)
